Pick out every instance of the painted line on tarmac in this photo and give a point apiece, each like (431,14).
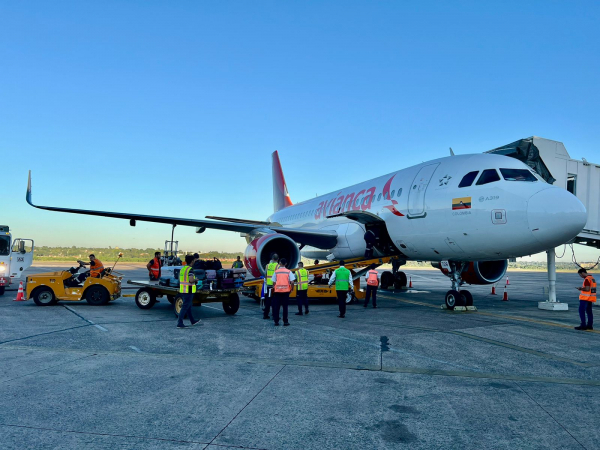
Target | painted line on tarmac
(520,349)
(100,327)
(500,316)
(331,365)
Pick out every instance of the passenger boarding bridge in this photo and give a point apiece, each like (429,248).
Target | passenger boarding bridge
(551,160)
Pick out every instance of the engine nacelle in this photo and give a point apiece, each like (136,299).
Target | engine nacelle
(481,272)
(259,251)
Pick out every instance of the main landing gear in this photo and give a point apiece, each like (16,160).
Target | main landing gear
(456,296)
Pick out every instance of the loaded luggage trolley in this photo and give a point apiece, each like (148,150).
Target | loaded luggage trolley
(226,293)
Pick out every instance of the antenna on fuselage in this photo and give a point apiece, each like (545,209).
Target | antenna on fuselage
(451,152)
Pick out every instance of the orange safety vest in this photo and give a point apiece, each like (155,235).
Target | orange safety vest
(155,267)
(282,280)
(591,295)
(372,279)
(97,270)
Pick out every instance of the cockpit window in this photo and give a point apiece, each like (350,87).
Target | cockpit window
(468,179)
(488,176)
(4,246)
(517,175)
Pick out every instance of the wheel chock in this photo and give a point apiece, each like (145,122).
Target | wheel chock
(460,308)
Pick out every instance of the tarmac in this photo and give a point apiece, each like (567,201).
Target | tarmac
(506,376)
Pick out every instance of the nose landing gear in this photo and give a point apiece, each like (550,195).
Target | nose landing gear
(456,296)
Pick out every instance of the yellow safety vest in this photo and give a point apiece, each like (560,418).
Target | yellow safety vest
(185,287)
(271,268)
(302,279)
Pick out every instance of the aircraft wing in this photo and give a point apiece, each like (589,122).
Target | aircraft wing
(315,238)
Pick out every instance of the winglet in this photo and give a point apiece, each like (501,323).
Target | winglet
(451,152)
(281,197)
(28,195)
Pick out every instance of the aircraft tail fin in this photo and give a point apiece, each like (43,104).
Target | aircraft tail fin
(281,197)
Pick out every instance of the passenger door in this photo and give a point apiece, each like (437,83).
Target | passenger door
(416,195)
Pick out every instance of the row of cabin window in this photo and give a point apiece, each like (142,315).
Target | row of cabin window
(347,206)
(491,175)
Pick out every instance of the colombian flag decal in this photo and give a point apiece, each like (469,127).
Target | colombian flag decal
(461,203)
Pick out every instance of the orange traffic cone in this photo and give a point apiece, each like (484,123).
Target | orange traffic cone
(410,282)
(507,282)
(20,295)
(505,296)
(493,289)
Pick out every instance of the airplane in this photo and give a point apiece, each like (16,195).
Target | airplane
(468,214)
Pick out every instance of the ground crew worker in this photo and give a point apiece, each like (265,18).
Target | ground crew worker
(271,267)
(372,285)
(370,239)
(343,283)
(96,266)
(302,289)
(318,277)
(238,264)
(282,286)
(154,267)
(587,296)
(187,289)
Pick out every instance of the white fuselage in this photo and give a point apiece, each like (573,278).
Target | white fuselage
(428,216)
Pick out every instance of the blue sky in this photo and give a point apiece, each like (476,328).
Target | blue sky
(173,108)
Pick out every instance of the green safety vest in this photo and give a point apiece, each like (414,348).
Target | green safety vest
(185,287)
(238,265)
(342,279)
(271,268)
(302,279)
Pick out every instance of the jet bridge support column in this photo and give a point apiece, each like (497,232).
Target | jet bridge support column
(552,304)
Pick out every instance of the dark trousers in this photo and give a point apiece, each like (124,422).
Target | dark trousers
(341,295)
(280,299)
(302,298)
(268,293)
(186,308)
(369,251)
(585,306)
(371,290)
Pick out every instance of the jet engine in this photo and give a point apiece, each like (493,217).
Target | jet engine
(259,251)
(481,272)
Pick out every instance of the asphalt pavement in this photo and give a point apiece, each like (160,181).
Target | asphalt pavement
(506,376)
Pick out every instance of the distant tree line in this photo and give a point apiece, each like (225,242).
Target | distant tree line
(44,253)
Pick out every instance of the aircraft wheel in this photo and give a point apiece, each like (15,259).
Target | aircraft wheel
(387,279)
(232,305)
(2,288)
(401,280)
(467,297)
(145,298)
(454,298)
(44,296)
(97,295)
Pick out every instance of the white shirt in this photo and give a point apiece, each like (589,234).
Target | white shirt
(291,276)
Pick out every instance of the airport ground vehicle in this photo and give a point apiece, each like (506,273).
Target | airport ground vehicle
(145,297)
(15,257)
(49,288)
(357,266)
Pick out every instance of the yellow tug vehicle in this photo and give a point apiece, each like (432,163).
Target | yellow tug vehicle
(48,288)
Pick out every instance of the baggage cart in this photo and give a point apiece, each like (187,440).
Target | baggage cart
(146,295)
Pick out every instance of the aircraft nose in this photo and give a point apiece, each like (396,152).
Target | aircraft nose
(555,216)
